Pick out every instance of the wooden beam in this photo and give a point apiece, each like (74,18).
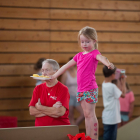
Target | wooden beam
(93,4)
(25,47)
(94,15)
(30,13)
(27,13)
(63,58)
(25,3)
(24,36)
(102,36)
(22,24)
(22,58)
(98,25)
(28,69)
(110,5)
(14,81)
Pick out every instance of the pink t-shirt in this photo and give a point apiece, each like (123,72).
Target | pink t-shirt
(125,102)
(86,67)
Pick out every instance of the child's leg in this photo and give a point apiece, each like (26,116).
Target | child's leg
(71,115)
(81,117)
(90,119)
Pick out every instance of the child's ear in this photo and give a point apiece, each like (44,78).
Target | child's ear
(95,41)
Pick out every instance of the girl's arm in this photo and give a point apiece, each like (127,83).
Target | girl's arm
(105,61)
(64,68)
(131,109)
(123,87)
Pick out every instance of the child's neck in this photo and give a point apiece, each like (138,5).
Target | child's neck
(85,52)
(108,80)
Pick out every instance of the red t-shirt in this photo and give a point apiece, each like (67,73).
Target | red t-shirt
(57,93)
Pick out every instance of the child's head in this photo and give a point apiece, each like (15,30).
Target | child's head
(89,33)
(115,81)
(38,64)
(109,72)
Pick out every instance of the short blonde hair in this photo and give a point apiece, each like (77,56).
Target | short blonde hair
(53,63)
(90,33)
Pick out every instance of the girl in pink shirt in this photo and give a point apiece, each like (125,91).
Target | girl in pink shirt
(127,106)
(87,62)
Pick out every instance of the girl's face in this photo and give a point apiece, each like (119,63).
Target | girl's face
(86,44)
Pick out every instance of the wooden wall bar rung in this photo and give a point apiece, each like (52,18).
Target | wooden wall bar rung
(102,36)
(27,13)
(100,4)
(22,115)
(114,58)
(63,58)
(22,58)
(28,81)
(66,47)
(66,36)
(15,81)
(94,15)
(28,69)
(24,35)
(23,104)
(14,104)
(14,93)
(22,24)
(17,70)
(30,13)
(129,69)
(110,5)
(26,92)
(25,47)
(98,25)
(26,3)
(102,47)
(28,24)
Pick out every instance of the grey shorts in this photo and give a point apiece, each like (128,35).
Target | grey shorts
(73,101)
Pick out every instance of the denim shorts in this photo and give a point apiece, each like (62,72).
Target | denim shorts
(90,96)
(73,101)
(124,118)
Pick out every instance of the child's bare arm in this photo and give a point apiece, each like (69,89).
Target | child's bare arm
(123,88)
(64,68)
(105,61)
(131,109)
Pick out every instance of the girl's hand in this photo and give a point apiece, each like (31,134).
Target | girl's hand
(111,66)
